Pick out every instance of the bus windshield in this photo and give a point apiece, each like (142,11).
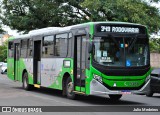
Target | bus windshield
(121,51)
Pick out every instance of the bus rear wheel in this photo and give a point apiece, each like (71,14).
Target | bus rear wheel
(26,85)
(115,97)
(69,89)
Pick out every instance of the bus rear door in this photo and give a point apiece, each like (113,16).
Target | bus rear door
(16,61)
(37,62)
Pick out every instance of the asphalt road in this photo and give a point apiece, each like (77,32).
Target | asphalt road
(12,94)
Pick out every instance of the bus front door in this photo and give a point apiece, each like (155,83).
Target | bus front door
(80,61)
(37,62)
(16,61)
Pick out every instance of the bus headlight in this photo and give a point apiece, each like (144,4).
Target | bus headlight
(147,78)
(98,78)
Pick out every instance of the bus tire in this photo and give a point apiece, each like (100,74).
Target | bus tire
(26,85)
(149,94)
(69,89)
(115,97)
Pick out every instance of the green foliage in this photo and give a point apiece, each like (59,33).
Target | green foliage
(1,30)
(25,15)
(154,45)
(135,11)
(3,52)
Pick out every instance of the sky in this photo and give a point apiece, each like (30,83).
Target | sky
(15,33)
(9,31)
(156,4)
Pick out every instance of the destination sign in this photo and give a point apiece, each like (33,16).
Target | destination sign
(121,29)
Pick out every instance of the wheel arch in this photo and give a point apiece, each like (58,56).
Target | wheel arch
(23,74)
(64,79)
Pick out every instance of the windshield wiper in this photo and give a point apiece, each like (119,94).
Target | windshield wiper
(132,44)
(114,40)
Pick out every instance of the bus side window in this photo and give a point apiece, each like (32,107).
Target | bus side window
(10,49)
(61,45)
(29,48)
(69,45)
(47,50)
(24,48)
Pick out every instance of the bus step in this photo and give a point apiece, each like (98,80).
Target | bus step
(82,93)
(36,85)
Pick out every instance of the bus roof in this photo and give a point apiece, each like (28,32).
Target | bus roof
(44,30)
(116,22)
(49,30)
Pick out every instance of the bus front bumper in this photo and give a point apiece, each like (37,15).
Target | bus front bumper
(96,88)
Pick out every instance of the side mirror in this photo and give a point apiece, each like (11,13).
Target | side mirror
(90,47)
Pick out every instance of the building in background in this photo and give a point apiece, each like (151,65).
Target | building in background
(155,50)
(4,37)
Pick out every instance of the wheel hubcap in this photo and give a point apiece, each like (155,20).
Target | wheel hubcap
(70,87)
(25,82)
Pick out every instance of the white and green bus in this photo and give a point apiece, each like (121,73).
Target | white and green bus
(95,58)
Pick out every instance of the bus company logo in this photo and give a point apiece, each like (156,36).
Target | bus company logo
(6,109)
(125,83)
(133,84)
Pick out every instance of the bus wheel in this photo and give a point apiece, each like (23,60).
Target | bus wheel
(26,85)
(69,88)
(149,94)
(115,97)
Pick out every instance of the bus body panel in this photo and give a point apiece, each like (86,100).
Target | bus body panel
(10,70)
(61,71)
(50,71)
(28,67)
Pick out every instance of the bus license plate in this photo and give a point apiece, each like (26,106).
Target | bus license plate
(125,92)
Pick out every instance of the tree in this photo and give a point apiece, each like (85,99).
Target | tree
(154,44)
(1,30)
(3,52)
(135,11)
(25,15)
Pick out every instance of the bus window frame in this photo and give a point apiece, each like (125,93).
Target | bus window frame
(42,45)
(11,48)
(67,44)
(29,47)
(69,53)
(22,48)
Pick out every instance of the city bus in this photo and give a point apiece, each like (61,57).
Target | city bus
(94,58)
